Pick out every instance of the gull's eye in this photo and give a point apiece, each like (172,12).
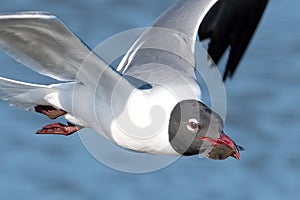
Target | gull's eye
(193,125)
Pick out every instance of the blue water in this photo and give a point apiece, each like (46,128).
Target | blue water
(263,115)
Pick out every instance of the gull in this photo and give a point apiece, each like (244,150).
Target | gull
(151,102)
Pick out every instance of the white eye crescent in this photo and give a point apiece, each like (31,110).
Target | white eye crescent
(193,125)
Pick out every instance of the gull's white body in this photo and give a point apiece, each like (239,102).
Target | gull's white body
(97,96)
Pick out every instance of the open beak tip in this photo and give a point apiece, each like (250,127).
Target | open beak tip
(236,156)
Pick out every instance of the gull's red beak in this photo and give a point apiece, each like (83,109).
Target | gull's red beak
(224,139)
(236,154)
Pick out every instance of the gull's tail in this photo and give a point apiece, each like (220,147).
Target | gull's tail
(26,95)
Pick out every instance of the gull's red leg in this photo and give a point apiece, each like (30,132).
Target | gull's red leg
(50,111)
(59,129)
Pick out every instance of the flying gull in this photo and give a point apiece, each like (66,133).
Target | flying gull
(152,102)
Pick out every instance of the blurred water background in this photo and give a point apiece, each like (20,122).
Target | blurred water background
(263,115)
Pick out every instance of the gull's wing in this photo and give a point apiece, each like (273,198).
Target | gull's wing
(231,23)
(227,23)
(43,43)
(171,37)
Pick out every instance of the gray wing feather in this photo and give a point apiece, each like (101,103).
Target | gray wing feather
(174,32)
(43,43)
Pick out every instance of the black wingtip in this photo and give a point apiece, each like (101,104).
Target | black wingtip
(231,23)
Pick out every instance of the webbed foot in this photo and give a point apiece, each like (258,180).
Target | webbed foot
(59,129)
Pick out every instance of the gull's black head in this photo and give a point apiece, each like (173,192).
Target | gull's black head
(192,123)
